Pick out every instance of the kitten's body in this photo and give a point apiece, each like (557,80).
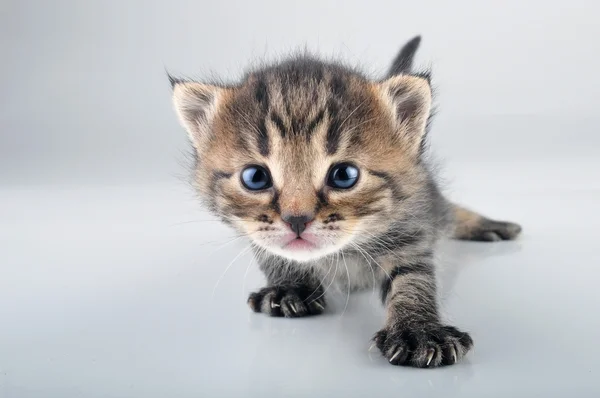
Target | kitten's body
(326,172)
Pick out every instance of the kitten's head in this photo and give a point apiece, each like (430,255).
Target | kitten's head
(307,157)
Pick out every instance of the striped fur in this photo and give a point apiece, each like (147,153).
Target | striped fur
(299,118)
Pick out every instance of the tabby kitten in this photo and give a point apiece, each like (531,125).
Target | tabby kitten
(318,164)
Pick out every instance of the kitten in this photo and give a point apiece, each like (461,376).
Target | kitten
(318,164)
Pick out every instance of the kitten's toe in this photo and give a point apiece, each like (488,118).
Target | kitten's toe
(290,302)
(423,346)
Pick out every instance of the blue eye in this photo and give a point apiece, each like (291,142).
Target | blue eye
(342,176)
(256,178)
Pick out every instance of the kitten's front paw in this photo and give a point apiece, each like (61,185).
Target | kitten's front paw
(423,346)
(288,301)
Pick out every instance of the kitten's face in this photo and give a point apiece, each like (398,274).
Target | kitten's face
(305,161)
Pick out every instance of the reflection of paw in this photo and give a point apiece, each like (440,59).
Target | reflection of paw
(423,346)
(288,301)
(492,231)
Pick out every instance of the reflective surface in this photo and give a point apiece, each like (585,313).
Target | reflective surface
(120,292)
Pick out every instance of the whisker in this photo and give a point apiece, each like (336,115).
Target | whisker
(192,222)
(252,260)
(227,269)
(360,124)
(351,113)
(379,265)
(348,274)
(330,283)
(226,244)
(322,282)
(368,262)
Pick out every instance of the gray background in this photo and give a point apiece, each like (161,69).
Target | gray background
(108,266)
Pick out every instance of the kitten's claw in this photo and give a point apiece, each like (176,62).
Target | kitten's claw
(430,356)
(395,355)
(423,346)
(453,355)
(291,302)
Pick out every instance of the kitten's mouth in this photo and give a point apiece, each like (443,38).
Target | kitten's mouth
(299,244)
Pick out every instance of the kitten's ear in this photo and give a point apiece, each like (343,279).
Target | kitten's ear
(196,105)
(409,99)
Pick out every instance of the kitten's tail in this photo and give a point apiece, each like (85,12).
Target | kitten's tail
(404,59)
(469,225)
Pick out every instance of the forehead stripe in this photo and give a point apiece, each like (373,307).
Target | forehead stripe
(333,131)
(278,122)
(261,94)
(314,123)
(262,138)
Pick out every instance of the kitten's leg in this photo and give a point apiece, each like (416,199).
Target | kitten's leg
(469,225)
(413,334)
(290,292)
